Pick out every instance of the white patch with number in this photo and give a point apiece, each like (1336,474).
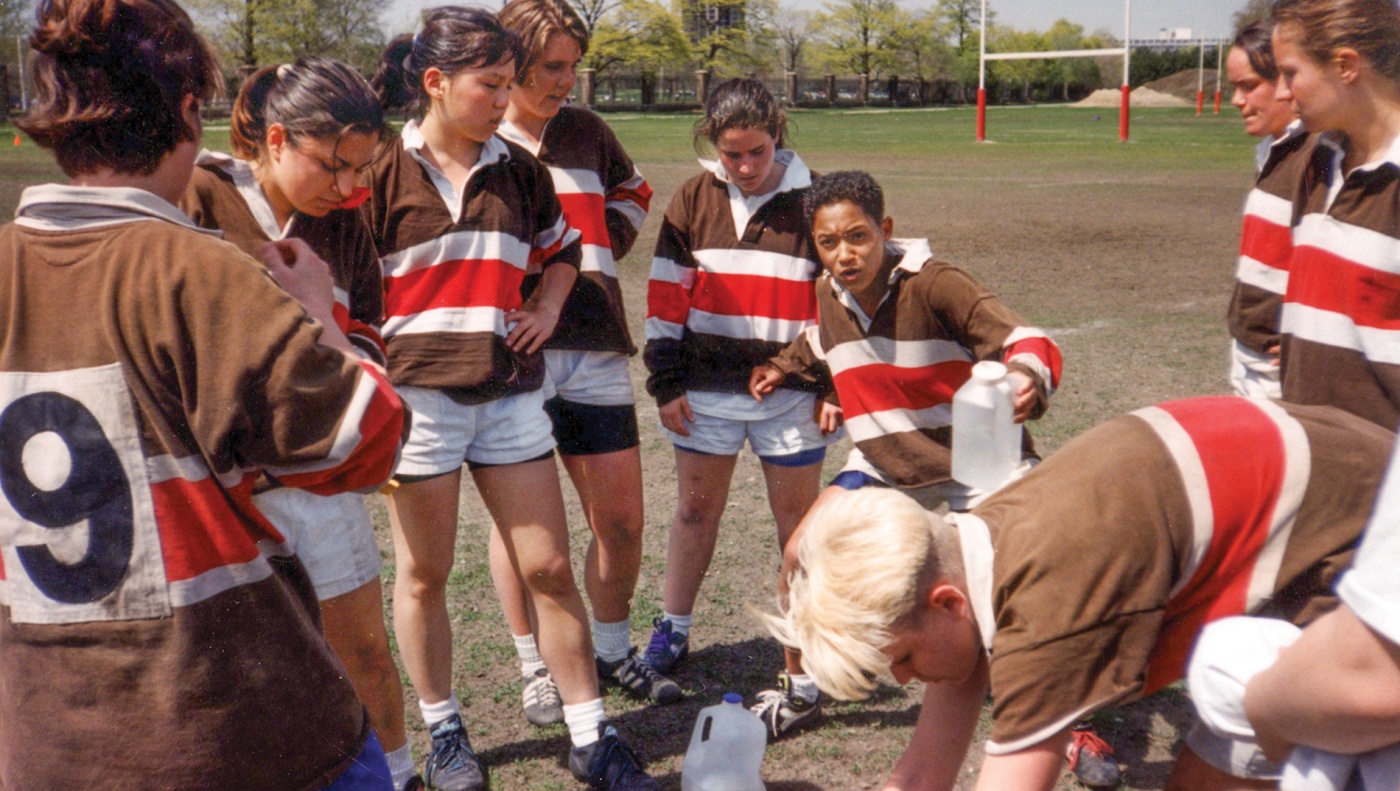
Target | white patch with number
(78,531)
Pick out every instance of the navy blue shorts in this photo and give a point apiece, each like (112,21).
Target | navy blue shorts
(589,430)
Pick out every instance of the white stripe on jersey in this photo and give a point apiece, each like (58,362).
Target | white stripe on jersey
(887,351)
(482,319)
(1336,329)
(1030,360)
(191,468)
(1261,275)
(760,263)
(560,233)
(634,213)
(573,181)
(342,297)
(1270,208)
(897,421)
(598,259)
(458,246)
(813,334)
(1359,245)
(668,271)
(1297,470)
(1193,477)
(759,328)
(660,329)
(211,583)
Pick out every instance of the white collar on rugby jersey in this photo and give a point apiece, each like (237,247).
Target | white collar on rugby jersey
(248,187)
(796,175)
(913,254)
(492,151)
(1335,142)
(515,135)
(1269,143)
(62,207)
(978,555)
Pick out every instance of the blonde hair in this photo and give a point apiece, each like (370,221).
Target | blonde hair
(1371,27)
(864,561)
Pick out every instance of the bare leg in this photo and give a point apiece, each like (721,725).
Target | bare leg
(791,492)
(702,483)
(610,488)
(526,503)
(423,516)
(354,624)
(510,589)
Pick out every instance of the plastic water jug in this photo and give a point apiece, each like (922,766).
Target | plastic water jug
(726,749)
(986,439)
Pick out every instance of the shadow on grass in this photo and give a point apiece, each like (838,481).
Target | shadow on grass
(1144,735)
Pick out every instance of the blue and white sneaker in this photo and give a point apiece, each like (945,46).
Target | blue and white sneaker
(666,647)
(453,766)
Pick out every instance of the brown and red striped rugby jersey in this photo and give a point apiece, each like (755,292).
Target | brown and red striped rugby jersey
(1341,315)
(729,287)
(149,373)
(1266,242)
(605,197)
(454,264)
(224,195)
(895,373)
(1092,576)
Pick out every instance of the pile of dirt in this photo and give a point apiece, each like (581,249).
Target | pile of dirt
(1142,97)
(1183,84)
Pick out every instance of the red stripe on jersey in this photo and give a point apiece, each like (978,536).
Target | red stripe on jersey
(226,533)
(1268,243)
(667,301)
(754,295)
(1042,349)
(1329,282)
(585,211)
(371,462)
(1245,479)
(640,196)
(880,387)
(454,284)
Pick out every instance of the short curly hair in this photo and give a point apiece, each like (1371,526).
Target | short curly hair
(855,186)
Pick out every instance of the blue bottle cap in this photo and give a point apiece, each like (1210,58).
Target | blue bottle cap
(733,697)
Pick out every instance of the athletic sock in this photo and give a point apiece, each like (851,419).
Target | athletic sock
(529,653)
(803,687)
(433,713)
(611,641)
(400,766)
(679,623)
(583,720)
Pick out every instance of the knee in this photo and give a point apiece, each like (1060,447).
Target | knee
(619,530)
(697,513)
(422,581)
(367,658)
(553,578)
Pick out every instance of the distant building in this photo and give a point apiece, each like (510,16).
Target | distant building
(701,18)
(1176,34)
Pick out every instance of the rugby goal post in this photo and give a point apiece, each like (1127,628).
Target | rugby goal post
(983,57)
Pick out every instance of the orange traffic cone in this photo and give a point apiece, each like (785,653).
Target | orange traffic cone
(16,139)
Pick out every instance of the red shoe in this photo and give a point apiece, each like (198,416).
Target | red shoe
(1090,759)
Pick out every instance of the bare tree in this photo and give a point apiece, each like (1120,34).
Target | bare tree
(856,31)
(1253,11)
(15,23)
(793,29)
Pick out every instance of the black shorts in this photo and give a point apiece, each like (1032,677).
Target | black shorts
(587,430)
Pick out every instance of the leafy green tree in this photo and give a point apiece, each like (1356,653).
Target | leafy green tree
(743,40)
(251,33)
(916,40)
(857,32)
(643,35)
(1253,11)
(16,20)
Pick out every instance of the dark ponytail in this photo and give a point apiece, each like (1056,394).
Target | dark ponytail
(453,38)
(313,97)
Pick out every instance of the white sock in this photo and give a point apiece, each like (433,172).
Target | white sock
(433,713)
(803,686)
(583,720)
(400,766)
(611,641)
(529,653)
(679,623)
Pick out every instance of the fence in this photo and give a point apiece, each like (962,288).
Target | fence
(622,91)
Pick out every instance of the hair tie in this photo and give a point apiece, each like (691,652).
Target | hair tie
(283,71)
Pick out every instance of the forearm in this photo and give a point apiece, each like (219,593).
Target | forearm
(941,736)
(555,284)
(1032,769)
(1336,689)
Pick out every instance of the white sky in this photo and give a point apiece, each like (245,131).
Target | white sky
(1208,18)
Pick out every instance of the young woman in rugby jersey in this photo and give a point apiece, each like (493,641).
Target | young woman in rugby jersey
(155,633)
(301,134)
(1340,66)
(459,216)
(1261,275)
(592,407)
(731,285)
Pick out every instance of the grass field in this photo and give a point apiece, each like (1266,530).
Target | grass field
(1124,252)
